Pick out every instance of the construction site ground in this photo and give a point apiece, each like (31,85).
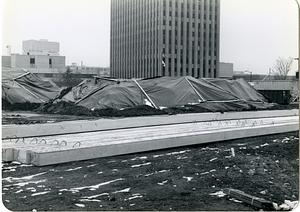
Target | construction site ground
(185,178)
(64,111)
(30,117)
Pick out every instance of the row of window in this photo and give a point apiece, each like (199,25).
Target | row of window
(194,72)
(200,2)
(182,15)
(32,62)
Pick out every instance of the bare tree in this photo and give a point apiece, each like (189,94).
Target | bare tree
(282,67)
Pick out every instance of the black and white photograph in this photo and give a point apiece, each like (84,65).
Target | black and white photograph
(150,105)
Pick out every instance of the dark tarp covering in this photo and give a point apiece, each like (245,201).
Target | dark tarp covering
(239,88)
(161,92)
(118,96)
(13,93)
(28,88)
(86,88)
(43,89)
(210,92)
(169,91)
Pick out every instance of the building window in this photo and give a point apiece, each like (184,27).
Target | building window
(50,63)
(32,62)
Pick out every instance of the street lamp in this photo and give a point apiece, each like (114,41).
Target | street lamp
(250,72)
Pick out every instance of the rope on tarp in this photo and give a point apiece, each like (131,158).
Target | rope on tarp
(199,95)
(30,92)
(219,87)
(144,92)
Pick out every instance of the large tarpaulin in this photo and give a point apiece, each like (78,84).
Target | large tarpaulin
(118,96)
(209,91)
(86,88)
(13,93)
(239,88)
(28,88)
(167,92)
(161,92)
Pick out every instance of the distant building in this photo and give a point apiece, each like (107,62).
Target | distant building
(226,70)
(249,76)
(39,56)
(165,38)
(40,47)
(6,61)
(87,70)
(34,63)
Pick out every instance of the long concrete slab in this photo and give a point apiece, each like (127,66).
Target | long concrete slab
(82,146)
(36,130)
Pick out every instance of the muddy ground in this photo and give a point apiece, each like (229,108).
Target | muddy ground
(174,179)
(64,111)
(28,117)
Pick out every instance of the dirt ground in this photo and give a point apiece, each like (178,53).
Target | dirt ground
(29,117)
(174,179)
(64,111)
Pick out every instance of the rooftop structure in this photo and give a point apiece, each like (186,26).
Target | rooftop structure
(40,47)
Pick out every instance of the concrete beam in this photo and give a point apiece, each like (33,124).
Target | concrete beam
(83,146)
(61,128)
(47,158)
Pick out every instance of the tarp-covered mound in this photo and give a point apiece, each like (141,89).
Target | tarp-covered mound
(169,92)
(86,88)
(243,90)
(28,88)
(117,96)
(239,88)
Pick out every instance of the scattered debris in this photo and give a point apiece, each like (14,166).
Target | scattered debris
(163,182)
(126,190)
(80,205)
(232,152)
(249,199)
(266,144)
(139,165)
(287,205)
(188,178)
(218,194)
(213,159)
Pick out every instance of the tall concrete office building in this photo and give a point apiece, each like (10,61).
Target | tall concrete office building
(165,38)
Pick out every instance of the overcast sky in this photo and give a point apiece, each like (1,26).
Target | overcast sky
(253,32)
